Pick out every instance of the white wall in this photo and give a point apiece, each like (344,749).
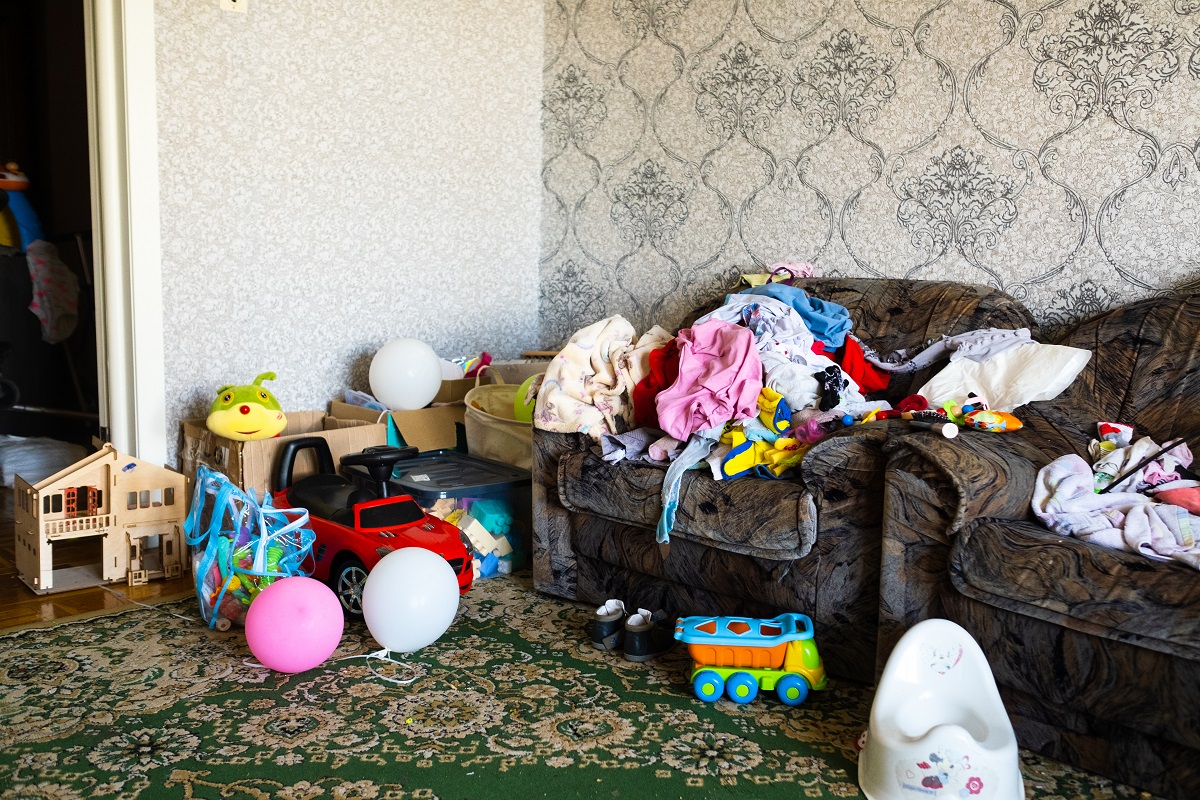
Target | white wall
(337,174)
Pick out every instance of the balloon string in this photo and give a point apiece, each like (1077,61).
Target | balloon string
(385,655)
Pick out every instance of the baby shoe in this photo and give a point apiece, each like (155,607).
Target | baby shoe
(647,635)
(608,625)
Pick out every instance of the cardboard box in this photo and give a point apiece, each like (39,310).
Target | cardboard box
(249,465)
(454,391)
(431,428)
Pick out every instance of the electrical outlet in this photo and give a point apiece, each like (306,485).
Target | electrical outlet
(235,5)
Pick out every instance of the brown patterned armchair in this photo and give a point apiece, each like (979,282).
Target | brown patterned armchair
(751,546)
(1096,651)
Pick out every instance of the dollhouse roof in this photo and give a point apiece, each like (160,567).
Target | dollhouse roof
(105,453)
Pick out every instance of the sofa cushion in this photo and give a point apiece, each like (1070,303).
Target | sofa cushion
(1095,590)
(773,519)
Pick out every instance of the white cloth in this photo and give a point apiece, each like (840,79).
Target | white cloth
(1065,501)
(588,384)
(1010,379)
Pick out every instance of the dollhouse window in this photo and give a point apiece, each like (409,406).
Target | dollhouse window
(169,496)
(144,497)
(156,497)
(56,503)
(131,501)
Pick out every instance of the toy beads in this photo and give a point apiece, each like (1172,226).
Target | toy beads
(239,547)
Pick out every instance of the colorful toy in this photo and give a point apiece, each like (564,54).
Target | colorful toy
(358,520)
(994,421)
(19,224)
(248,412)
(738,655)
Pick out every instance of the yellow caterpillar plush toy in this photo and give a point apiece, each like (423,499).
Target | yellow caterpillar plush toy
(249,412)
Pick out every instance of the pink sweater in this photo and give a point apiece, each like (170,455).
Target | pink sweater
(720,377)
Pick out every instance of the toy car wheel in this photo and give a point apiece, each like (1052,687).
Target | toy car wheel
(792,690)
(347,581)
(708,685)
(741,687)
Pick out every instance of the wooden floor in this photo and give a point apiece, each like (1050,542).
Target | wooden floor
(20,606)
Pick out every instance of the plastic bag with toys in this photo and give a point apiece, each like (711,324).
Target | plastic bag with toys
(239,547)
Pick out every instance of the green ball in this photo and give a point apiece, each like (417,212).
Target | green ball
(522,411)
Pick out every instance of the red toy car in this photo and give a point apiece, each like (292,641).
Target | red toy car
(356,526)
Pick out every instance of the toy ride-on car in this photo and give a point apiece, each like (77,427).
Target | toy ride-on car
(356,526)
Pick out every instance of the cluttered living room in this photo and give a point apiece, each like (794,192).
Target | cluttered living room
(639,399)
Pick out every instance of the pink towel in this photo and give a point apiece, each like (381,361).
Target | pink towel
(720,377)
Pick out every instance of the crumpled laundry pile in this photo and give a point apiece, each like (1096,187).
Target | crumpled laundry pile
(744,391)
(1136,496)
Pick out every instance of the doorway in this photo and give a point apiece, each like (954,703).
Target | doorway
(48,359)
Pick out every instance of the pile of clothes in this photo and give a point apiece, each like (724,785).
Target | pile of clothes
(1135,496)
(745,389)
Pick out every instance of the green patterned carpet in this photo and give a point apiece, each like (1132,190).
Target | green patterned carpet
(512,702)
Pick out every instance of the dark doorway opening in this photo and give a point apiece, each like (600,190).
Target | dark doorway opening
(44,130)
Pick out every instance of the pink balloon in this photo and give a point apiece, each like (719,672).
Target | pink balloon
(294,624)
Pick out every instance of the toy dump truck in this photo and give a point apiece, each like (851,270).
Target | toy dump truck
(738,655)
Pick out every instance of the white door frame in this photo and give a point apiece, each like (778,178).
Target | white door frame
(126,244)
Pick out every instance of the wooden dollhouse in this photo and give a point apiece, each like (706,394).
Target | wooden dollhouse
(134,508)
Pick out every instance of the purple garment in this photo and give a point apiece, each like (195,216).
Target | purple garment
(720,378)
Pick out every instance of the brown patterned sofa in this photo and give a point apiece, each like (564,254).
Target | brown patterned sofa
(751,546)
(1096,651)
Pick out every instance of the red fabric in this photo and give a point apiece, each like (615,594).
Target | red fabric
(663,365)
(1187,498)
(914,402)
(868,377)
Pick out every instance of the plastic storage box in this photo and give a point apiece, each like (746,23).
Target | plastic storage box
(497,496)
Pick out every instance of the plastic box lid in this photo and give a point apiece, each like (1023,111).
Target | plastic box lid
(435,474)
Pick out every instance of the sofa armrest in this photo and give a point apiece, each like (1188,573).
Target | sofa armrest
(844,474)
(933,487)
(553,556)
(986,474)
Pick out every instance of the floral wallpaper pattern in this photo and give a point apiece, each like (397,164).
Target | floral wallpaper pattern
(1049,149)
(335,175)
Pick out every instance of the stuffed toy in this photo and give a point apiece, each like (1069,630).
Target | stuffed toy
(248,412)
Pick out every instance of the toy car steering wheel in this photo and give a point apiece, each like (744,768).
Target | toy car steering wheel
(379,461)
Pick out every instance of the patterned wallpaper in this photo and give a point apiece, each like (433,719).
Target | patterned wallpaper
(338,174)
(1051,150)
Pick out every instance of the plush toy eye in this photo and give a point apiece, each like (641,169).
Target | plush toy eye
(227,397)
(264,396)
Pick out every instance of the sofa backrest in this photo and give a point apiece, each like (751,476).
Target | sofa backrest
(892,314)
(1144,370)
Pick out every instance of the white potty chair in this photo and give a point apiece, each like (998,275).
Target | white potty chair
(938,727)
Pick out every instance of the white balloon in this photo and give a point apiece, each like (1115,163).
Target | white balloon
(410,599)
(405,374)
